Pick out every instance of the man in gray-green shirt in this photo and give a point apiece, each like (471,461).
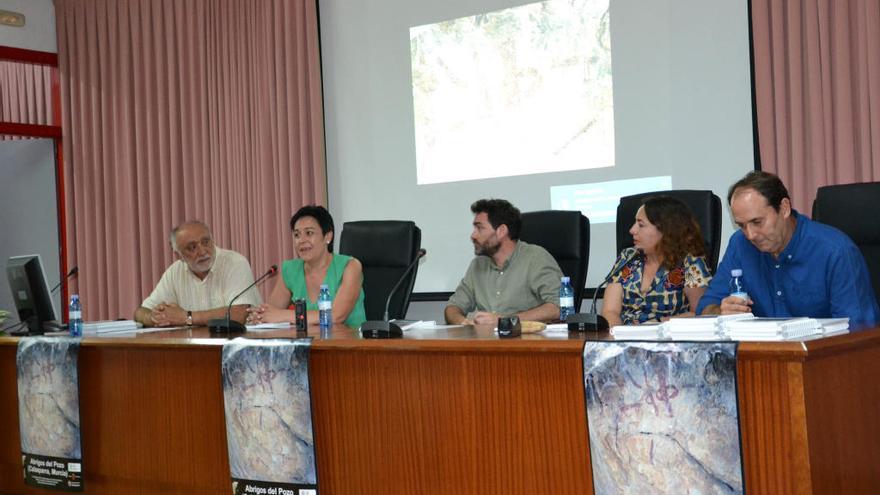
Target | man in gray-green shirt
(508,276)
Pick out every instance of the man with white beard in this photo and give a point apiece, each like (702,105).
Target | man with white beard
(199,285)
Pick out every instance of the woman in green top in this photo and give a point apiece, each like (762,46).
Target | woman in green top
(301,278)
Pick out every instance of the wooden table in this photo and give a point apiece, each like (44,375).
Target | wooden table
(447,411)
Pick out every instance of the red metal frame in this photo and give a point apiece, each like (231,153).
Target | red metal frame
(30,130)
(53,131)
(59,184)
(29,56)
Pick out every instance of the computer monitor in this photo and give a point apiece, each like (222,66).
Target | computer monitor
(30,291)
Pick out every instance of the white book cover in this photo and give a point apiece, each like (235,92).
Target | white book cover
(692,321)
(722,320)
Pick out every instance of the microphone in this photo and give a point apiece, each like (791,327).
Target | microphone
(592,321)
(226,325)
(73,271)
(385,329)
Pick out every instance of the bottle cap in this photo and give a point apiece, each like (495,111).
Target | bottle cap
(323,286)
(736,272)
(565,280)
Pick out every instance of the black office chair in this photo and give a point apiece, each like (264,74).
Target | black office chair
(566,236)
(385,248)
(849,207)
(705,205)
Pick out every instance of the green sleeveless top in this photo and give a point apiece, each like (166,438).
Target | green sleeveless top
(294,276)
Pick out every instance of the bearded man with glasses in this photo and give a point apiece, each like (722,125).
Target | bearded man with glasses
(200,284)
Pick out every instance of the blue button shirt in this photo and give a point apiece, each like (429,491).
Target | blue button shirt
(820,274)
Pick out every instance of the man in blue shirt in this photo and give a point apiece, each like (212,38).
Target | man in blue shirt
(792,266)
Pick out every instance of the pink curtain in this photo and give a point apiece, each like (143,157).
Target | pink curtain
(817,89)
(25,94)
(174,110)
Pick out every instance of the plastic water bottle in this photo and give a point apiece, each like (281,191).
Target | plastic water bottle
(737,286)
(325,308)
(566,299)
(75,319)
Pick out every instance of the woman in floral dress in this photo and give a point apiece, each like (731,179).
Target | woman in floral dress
(666,271)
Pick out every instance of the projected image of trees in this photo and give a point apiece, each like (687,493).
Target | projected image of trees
(516,91)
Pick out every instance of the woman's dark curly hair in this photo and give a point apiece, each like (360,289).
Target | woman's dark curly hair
(681,232)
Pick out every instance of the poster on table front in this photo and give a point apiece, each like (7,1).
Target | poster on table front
(48,413)
(268,409)
(662,417)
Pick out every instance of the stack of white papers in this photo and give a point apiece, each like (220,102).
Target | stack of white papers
(744,326)
(694,328)
(260,327)
(773,328)
(643,331)
(109,326)
(721,322)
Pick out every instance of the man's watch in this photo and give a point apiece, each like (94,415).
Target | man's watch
(189,318)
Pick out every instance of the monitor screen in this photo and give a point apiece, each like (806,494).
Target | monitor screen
(30,291)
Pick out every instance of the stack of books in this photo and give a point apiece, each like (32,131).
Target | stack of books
(773,329)
(694,328)
(721,322)
(109,326)
(645,331)
(743,326)
(833,326)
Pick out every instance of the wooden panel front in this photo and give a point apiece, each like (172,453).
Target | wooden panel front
(450,422)
(772,425)
(451,412)
(453,416)
(842,391)
(151,421)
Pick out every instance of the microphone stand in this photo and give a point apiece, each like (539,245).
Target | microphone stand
(227,325)
(73,271)
(385,329)
(592,321)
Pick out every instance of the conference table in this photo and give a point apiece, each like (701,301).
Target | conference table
(449,410)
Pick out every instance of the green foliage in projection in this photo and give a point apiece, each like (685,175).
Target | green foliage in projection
(514,71)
